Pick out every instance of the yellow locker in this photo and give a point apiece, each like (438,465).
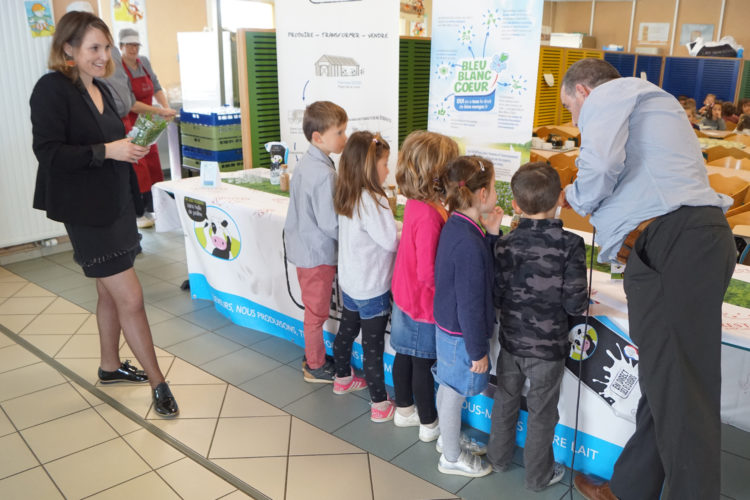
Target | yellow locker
(548,96)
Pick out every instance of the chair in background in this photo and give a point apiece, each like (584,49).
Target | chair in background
(731,163)
(730,125)
(734,187)
(716,152)
(741,138)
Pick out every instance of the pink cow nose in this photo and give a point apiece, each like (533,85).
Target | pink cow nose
(219,243)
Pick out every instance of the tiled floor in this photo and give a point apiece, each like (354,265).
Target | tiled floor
(248,422)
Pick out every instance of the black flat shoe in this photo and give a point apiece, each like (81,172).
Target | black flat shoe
(126,373)
(164,403)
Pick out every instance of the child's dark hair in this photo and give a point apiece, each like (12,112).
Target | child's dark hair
(536,187)
(320,116)
(463,177)
(358,171)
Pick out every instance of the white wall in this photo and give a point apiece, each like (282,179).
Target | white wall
(24,60)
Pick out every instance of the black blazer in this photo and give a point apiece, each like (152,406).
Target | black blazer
(74,183)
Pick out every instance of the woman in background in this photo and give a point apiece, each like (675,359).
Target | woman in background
(145,87)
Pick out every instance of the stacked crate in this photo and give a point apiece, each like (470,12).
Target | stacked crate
(212,136)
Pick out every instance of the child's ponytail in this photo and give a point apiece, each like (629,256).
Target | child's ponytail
(358,171)
(463,177)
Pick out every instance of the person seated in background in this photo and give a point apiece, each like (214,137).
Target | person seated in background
(713,121)
(743,107)
(690,112)
(682,99)
(728,112)
(708,103)
(743,124)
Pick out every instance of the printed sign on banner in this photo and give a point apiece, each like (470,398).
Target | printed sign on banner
(345,52)
(483,69)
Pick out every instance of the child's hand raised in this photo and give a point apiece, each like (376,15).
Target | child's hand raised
(492,220)
(482,365)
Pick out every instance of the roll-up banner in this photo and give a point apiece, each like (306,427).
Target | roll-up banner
(345,51)
(484,62)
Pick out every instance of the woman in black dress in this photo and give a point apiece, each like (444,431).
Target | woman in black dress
(86,181)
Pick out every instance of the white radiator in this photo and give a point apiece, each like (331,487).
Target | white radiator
(23,60)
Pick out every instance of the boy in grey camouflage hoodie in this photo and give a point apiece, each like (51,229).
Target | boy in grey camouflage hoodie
(540,279)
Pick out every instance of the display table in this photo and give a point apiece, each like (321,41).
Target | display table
(236,258)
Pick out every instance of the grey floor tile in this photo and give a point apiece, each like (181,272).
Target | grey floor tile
(509,485)
(421,459)
(45,270)
(240,366)
(204,348)
(383,439)
(147,280)
(173,270)
(159,291)
(734,476)
(156,315)
(81,294)
(182,303)
(279,349)
(147,261)
(174,330)
(66,282)
(26,266)
(241,335)
(281,386)
(735,441)
(326,410)
(208,318)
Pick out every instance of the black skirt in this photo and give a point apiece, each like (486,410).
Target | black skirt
(103,251)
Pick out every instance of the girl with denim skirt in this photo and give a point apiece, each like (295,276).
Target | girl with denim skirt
(463,309)
(421,163)
(368,239)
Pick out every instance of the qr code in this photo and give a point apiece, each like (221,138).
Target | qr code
(624,383)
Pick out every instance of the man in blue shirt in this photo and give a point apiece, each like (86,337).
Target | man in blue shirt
(642,178)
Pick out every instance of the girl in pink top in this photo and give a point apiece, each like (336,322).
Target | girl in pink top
(421,162)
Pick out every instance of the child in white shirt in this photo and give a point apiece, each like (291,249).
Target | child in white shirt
(368,240)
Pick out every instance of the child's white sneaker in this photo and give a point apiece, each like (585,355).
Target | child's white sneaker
(469,444)
(411,420)
(429,434)
(467,465)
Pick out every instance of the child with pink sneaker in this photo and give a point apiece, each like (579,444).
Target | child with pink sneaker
(421,162)
(368,239)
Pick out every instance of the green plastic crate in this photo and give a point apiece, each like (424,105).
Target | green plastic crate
(224,166)
(212,144)
(215,132)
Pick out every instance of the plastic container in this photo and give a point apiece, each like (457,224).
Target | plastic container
(211,131)
(224,116)
(225,144)
(209,155)
(224,166)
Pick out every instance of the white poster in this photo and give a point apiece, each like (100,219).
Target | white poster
(343,51)
(130,14)
(483,68)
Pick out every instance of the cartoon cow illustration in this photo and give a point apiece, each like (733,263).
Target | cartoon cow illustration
(221,240)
